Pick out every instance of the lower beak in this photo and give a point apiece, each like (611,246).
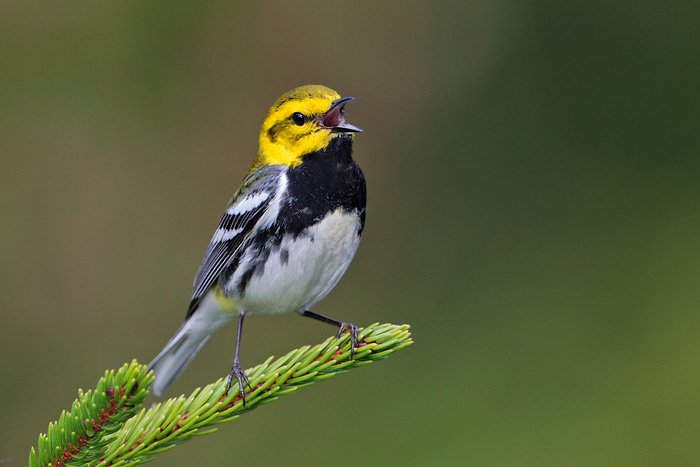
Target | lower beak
(334,118)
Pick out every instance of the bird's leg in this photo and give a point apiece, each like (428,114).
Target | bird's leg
(342,327)
(236,369)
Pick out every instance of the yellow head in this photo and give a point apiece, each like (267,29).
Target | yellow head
(302,121)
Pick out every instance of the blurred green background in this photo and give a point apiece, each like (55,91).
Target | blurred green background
(533,180)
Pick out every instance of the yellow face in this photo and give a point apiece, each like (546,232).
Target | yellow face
(293,127)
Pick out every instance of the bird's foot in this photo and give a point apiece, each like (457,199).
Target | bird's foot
(352,330)
(240,375)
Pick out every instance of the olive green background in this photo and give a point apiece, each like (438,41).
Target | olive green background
(534,194)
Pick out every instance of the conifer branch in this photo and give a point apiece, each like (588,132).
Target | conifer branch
(104,429)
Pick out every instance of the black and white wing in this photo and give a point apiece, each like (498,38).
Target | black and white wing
(244,211)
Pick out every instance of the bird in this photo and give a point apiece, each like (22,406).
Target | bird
(287,235)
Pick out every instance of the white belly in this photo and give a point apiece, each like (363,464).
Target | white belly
(305,268)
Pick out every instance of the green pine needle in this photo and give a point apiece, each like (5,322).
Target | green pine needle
(106,428)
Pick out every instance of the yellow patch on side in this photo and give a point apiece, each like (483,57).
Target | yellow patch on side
(223,302)
(284,142)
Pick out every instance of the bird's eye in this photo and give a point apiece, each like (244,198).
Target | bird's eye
(298,118)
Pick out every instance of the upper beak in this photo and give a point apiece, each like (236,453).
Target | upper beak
(334,118)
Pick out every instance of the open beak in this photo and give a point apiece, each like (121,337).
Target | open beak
(334,118)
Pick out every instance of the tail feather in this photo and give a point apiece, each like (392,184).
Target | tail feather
(174,358)
(187,341)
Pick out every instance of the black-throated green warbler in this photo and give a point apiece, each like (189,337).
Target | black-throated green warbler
(287,235)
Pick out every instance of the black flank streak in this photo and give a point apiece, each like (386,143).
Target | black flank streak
(245,278)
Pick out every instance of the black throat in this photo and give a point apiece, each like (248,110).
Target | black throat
(323,182)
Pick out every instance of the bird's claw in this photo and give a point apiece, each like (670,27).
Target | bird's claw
(353,331)
(241,376)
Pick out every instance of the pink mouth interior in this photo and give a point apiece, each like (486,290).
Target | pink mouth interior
(333,118)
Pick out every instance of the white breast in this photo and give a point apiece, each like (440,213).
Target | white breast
(304,269)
